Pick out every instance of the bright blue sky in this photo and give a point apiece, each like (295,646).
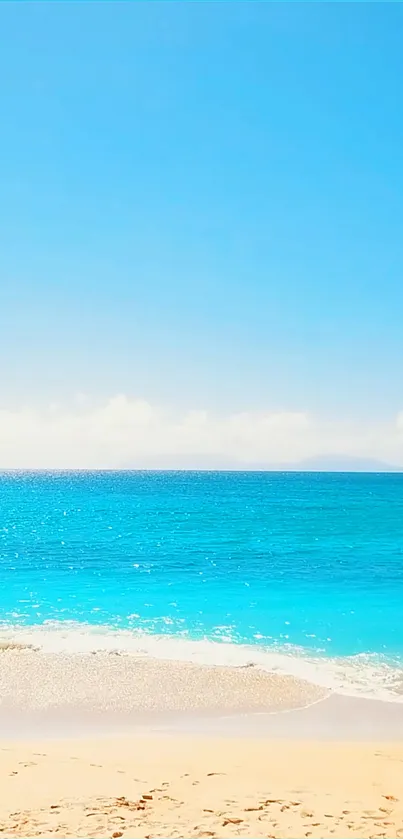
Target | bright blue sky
(202,204)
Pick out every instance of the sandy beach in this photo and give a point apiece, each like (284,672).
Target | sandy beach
(108,746)
(106,683)
(181,787)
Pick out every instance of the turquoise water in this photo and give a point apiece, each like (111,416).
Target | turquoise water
(304,568)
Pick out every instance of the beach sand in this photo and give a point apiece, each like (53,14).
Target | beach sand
(184,787)
(107,746)
(124,684)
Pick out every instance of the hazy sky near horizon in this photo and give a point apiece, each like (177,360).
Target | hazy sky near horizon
(200,226)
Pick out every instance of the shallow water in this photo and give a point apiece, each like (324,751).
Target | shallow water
(299,572)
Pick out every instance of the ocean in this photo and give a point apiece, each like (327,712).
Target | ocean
(298,573)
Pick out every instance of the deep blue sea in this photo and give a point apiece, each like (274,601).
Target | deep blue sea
(297,572)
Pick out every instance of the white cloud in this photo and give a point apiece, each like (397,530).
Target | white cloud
(127,432)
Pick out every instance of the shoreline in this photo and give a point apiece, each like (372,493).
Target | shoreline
(113,687)
(330,719)
(365,675)
(56,695)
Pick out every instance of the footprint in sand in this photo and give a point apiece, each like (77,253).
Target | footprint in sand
(232,821)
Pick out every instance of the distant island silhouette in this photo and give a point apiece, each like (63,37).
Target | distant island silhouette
(322,463)
(343,463)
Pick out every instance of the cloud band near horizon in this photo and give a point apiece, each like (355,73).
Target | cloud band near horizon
(127,432)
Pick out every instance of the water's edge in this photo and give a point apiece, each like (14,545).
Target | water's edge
(365,676)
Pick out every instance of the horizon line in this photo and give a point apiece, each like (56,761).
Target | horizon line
(115,470)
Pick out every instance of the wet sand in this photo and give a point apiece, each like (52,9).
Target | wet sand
(110,683)
(56,695)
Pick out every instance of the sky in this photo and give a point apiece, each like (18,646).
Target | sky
(201,218)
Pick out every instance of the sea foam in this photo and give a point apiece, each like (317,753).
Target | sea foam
(370,676)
